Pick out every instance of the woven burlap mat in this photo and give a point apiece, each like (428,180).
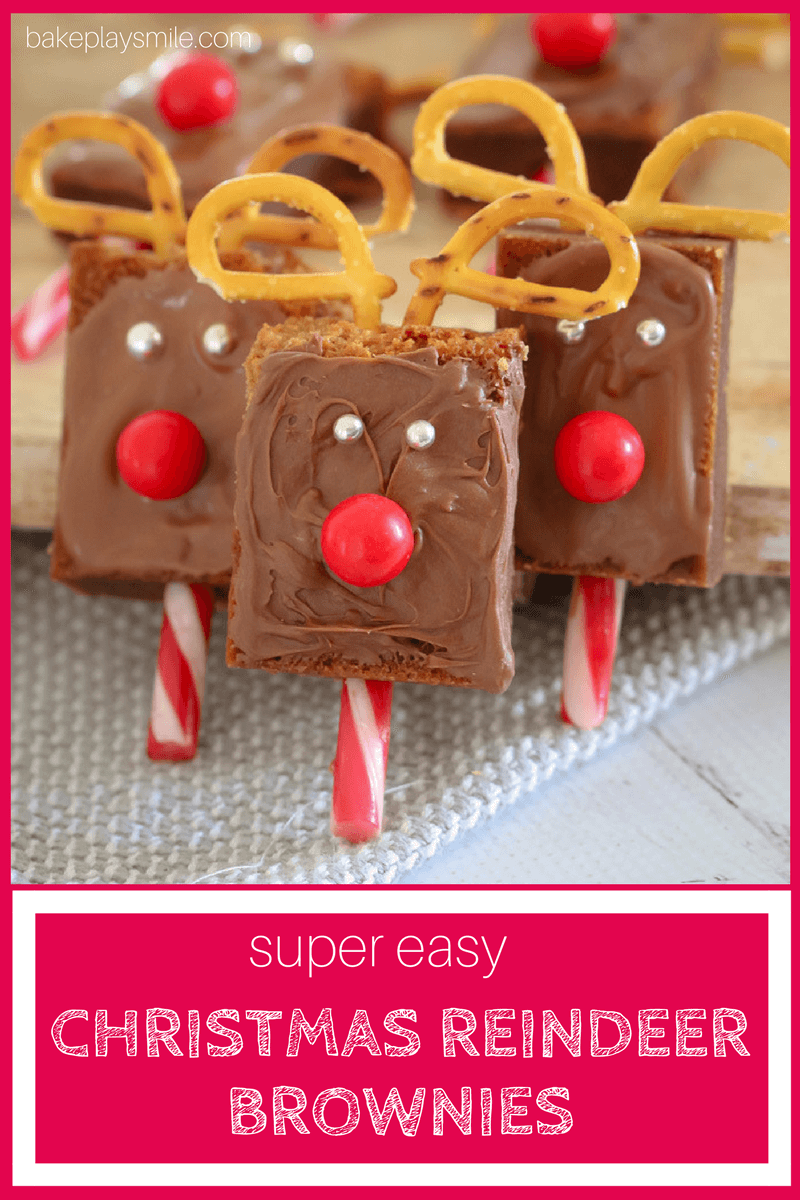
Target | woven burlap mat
(252,807)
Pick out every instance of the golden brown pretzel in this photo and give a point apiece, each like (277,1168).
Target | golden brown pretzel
(353,146)
(359,281)
(164,226)
(449,272)
(643,207)
(431,162)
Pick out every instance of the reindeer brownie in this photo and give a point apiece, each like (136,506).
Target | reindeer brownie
(623,442)
(376,472)
(155,387)
(645,387)
(264,86)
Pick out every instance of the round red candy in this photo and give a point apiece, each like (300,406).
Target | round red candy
(161,454)
(599,457)
(201,90)
(573,40)
(367,540)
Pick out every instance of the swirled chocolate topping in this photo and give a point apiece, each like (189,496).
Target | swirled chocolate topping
(107,537)
(661,364)
(446,617)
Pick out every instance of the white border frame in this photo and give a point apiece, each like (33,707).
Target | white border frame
(26,904)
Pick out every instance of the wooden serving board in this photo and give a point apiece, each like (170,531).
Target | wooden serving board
(740,175)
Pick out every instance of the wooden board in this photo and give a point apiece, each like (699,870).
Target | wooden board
(434,43)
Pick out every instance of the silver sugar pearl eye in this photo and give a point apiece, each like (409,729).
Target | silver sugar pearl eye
(294,51)
(348,428)
(571,331)
(420,435)
(244,40)
(651,332)
(144,340)
(217,339)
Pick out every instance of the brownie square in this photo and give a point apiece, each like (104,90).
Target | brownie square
(670,525)
(446,617)
(108,539)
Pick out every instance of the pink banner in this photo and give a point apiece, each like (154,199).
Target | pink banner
(429,1038)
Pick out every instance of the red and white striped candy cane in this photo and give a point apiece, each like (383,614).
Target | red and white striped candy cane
(359,769)
(181,672)
(42,317)
(590,646)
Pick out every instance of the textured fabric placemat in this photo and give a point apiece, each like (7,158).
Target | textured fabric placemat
(89,807)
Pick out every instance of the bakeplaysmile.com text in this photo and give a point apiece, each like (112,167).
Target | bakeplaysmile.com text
(110,39)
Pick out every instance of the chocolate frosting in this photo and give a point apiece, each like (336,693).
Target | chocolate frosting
(107,537)
(273,95)
(662,529)
(446,617)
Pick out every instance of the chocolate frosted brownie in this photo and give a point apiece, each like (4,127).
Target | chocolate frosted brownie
(431,424)
(186,356)
(659,73)
(661,363)
(281,84)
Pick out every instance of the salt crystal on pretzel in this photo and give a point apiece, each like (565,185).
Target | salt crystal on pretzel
(360,149)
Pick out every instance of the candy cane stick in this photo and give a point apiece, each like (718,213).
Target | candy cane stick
(590,645)
(181,672)
(42,317)
(359,769)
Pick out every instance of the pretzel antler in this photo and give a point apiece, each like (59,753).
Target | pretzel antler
(432,164)
(359,281)
(643,207)
(353,146)
(448,271)
(164,226)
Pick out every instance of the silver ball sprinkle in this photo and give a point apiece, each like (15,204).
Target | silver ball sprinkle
(294,51)
(144,340)
(651,332)
(571,331)
(420,435)
(217,339)
(348,428)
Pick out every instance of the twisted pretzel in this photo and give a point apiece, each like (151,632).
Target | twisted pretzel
(355,147)
(364,286)
(432,164)
(164,226)
(448,271)
(643,208)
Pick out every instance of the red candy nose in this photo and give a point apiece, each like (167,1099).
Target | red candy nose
(367,540)
(201,90)
(599,456)
(161,454)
